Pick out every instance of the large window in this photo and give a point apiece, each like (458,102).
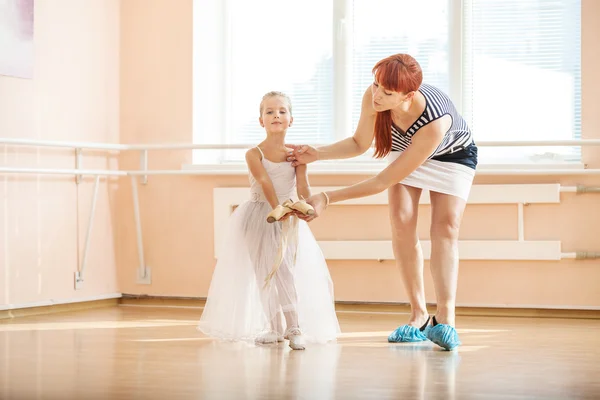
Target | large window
(522,75)
(511,66)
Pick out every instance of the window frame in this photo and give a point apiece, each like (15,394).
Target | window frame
(342,86)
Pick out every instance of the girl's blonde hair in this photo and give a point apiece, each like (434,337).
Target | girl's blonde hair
(275,93)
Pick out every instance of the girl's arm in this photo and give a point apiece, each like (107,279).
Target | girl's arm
(258,171)
(302,185)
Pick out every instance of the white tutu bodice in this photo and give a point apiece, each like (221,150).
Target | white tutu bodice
(283,177)
(240,306)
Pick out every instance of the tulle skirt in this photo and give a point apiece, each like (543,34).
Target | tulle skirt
(244,303)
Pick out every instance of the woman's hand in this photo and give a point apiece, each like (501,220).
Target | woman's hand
(302,154)
(319,203)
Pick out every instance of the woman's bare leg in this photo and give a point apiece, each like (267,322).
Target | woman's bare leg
(446,216)
(404,207)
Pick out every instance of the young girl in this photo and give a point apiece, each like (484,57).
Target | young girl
(271,281)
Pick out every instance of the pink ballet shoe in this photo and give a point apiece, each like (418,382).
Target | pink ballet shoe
(302,206)
(287,207)
(277,213)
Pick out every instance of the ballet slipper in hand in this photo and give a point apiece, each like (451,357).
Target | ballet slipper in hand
(285,210)
(278,213)
(302,207)
(318,203)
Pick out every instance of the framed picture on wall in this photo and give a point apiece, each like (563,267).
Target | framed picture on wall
(16,38)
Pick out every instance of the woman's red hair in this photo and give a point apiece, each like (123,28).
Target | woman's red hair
(397,73)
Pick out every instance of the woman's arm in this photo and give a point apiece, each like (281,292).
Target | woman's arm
(423,145)
(346,148)
(258,171)
(302,185)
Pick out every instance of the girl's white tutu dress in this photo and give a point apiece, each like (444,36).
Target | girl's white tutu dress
(241,304)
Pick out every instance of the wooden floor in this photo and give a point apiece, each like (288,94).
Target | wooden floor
(136,352)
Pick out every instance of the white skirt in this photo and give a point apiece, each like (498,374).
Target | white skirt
(439,176)
(240,306)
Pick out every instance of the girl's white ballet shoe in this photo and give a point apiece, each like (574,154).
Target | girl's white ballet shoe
(294,335)
(268,338)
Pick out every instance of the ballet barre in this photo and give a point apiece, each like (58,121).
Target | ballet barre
(380,250)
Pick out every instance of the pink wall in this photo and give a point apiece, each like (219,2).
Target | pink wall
(111,71)
(156,96)
(74,96)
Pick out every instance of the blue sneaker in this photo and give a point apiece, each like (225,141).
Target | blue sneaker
(409,333)
(443,335)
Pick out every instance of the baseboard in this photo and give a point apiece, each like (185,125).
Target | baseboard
(162,301)
(476,311)
(118,299)
(373,307)
(8,311)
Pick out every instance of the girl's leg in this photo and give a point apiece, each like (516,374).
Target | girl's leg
(446,216)
(404,206)
(288,300)
(286,293)
(273,330)
(261,253)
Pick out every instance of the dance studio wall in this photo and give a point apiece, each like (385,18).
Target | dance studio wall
(121,71)
(177,212)
(73,96)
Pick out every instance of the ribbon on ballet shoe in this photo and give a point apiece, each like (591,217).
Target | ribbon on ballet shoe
(289,235)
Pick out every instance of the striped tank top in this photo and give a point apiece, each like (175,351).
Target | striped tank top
(457,144)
